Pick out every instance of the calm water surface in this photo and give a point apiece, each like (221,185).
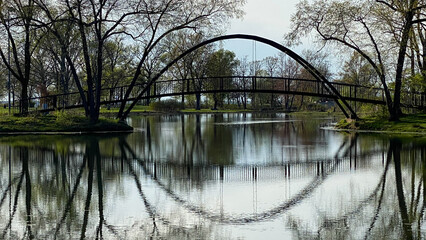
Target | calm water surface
(230,176)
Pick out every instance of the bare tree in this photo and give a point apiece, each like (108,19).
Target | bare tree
(145,22)
(243,70)
(363,26)
(192,67)
(288,68)
(16,23)
(175,15)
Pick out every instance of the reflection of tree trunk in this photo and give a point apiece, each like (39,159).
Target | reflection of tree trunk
(423,156)
(64,172)
(100,189)
(25,170)
(25,174)
(215,127)
(148,137)
(90,163)
(413,184)
(395,145)
(244,134)
(7,191)
(185,153)
(379,206)
(15,205)
(198,138)
(123,147)
(71,198)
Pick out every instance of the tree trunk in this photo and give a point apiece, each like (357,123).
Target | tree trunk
(90,94)
(27,65)
(396,110)
(63,80)
(198,104)
(215,100)
(24,97)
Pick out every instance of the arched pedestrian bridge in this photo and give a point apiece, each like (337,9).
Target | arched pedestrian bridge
(318,86)
(239,84)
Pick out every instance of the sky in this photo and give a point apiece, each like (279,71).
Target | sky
(265,18)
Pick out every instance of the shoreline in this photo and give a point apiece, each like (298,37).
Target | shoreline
(65,133)
(77,125)
(61,124)
(72,124)
(414,124)
(373,131)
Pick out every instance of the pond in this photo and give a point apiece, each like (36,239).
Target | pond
(214,176)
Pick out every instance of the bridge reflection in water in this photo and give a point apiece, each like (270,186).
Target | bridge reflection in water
(111,187)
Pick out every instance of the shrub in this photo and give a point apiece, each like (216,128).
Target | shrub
(168,105)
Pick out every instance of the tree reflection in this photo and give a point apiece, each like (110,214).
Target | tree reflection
(396,146)
(91,160)
(397,202)
(70,189)
(411,210)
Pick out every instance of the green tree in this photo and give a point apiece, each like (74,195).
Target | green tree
(192,66)
(148,23)
(221,63)
(177,15)
(371,28)
(118,64)
(3,81)
(358,71)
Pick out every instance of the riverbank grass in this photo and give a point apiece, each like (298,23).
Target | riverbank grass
(407,124)
(59,122)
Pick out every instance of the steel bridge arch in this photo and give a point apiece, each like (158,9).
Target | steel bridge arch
(311,69)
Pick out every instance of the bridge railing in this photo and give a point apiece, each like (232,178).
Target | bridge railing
(234,84)
(359,92)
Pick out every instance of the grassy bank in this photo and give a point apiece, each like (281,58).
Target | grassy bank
(407,124)
(58,123)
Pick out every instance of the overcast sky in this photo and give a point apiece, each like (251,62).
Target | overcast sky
(265,18)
